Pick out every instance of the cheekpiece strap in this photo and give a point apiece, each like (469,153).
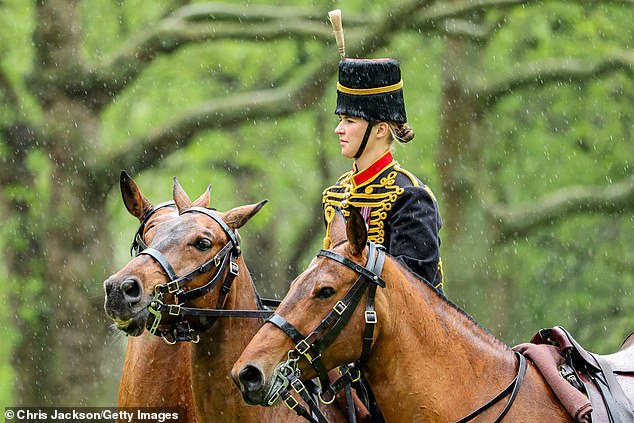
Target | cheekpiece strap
(138,244)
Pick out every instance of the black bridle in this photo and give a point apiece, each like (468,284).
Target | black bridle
(312,346)
(227,270)
(138,243)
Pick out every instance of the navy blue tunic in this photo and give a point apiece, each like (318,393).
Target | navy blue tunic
(400,211)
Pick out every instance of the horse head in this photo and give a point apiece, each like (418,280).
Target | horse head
(320,320)
(182,239)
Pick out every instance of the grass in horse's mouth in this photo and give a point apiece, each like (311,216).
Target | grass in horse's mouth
(121,324)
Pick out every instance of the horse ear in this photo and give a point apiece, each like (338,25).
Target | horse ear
(356,231)
(336,229)
(133,198)
(203,200)
(180,197)
(237,217)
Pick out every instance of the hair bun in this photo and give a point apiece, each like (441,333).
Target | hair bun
(402,132)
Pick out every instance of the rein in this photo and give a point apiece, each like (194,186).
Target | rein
(313,345)
(224,260)
(512,389)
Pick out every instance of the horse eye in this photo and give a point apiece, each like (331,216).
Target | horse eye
(326,292)
(203,244)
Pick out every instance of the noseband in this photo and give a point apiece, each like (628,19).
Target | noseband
(312,346)
(224,260)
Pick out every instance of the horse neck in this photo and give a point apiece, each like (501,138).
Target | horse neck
(427,352)
(217,398)
(139,385)
(230,335)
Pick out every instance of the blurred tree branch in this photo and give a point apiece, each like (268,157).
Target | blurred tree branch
(300,92)
(315,225)
(10,97)
(567,70)
(516,221)
(220,113)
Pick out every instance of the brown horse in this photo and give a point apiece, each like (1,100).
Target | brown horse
(184,242)
(140,388)
(427,360)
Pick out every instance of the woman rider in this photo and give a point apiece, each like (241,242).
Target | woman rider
(400,211)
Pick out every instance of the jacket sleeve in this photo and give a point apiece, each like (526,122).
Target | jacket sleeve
(412,233)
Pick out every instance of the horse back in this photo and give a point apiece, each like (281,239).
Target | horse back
(629,341)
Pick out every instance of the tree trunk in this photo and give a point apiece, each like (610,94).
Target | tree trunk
(471,277)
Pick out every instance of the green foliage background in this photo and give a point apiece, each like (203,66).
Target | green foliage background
(576,271)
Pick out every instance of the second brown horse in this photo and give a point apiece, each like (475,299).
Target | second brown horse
(186,241)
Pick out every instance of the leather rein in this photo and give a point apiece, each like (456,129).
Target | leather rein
(312,346)
(227,270)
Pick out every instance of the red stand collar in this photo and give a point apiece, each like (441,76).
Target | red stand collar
(374,169)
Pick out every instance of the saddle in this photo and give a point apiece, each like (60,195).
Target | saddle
(607,380)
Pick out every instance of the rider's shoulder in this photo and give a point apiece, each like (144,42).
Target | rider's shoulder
(410,182)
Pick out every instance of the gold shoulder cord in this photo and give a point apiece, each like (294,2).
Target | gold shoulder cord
(378,196)
(442,275)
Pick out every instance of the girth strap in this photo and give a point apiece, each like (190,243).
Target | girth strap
(613,395)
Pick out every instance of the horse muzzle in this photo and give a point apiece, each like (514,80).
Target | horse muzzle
(255,390)
(250,380)
(125,305)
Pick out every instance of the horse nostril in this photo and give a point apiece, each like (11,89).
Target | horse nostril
(131,290)
(251,378)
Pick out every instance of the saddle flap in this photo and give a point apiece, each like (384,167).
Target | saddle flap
(608,379)
(621,361)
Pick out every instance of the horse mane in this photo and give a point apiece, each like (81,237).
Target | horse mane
(426,288)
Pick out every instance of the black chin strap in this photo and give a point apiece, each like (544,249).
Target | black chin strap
(366,136)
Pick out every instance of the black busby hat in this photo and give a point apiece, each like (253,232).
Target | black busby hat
(371,89)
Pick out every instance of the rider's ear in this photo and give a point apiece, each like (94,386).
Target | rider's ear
(238,216)
(356,231)
(133,198)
